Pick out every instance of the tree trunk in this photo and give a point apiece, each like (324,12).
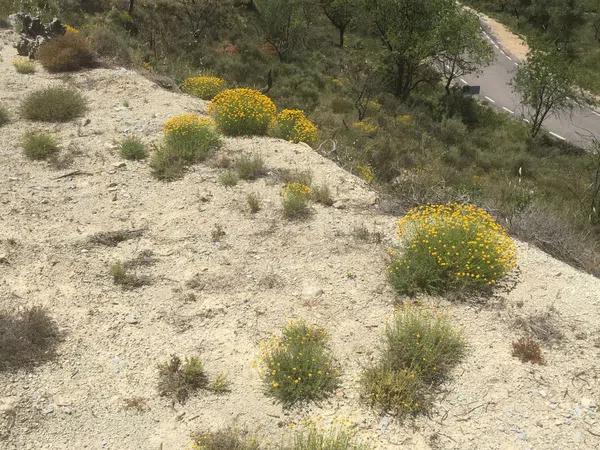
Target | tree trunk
(342,30)
(131,6)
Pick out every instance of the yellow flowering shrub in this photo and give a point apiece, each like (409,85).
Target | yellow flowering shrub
(365,127)
(23,65)
(365,172)
(242,111)
(298,366)
(189,139)
(451,247)
(295,200)
(292,125)
(204,87)
(71,29)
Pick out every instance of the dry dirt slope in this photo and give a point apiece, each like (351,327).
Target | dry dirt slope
(263,272)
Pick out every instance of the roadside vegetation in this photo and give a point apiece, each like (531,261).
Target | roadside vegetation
(570,26)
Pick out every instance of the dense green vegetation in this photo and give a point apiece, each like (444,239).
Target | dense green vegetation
(381,108)
(573,26)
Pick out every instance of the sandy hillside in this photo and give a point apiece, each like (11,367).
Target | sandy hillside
(264,271)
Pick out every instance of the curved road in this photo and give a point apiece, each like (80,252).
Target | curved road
(577,127)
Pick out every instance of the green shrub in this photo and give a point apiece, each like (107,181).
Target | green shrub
(451,247)
(167,164)
(295,199)
(240,112)
(66,53)
(53,104)
(292,125)
(312,438)
(133,148)
(40,146)
(28,336)
(23,66)
(250,167)
(419,349)
(228,178)
(298,366)
(192,137)
(4,116)
(204,87)
(178,380)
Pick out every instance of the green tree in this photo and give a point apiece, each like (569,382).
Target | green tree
(545,84)
(284,24)
(408,30)
(462,48)
(341,13)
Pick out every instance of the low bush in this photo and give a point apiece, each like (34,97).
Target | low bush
(27,337)
(132,148)
(298,366)
(419,349)
(228,178)
(336,438)
(122,277)
(250,167)
(192,137)
(204,87)
(253,202)
(167,164)
(178,380)
(242,112)
(450,247)
(226,439)
(40,146)
(4,116)
(528,349)
(295,200)
(322,194)
(292,125)
(66,53)
(23,65)
(53,104)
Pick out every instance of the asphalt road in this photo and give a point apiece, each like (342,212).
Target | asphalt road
(577,127)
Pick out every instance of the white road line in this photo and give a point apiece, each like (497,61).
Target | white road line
(490,99)
(509,58)
(517,64)
(463,80)
(526,120)
(596,113)
(558,136)
(508,110)
(502,51)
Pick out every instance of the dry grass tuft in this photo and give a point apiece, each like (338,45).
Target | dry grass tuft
(527,349)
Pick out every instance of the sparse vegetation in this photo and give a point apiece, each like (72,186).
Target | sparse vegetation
(250,167)
(178,380)
(121,276)
(28,337)
(66,53)
(362,233)
(543,326)
(220,385)
(337,438)
(167,164)
(191,137)
(228,178)
(527,349)
(253,202)
(40,146)
(453,247)
(132,148)
(295,199)
(322,194)
(298,366)
(4,116)
(53,104)
(227,439)
(217,233)
(113,238)
(419,350)
(24,66)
